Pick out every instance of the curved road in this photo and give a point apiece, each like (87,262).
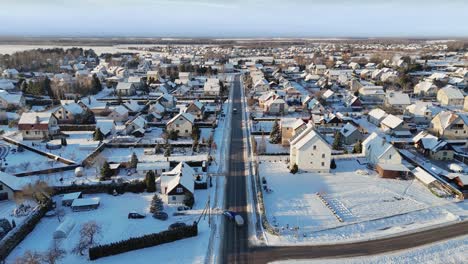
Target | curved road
(236,248)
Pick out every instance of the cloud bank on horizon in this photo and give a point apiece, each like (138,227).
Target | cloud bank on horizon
(235,18)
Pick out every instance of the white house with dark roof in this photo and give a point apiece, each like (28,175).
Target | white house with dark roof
(310,151)
(177,183)
(182,123)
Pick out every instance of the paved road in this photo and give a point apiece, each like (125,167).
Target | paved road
(235,239)
(236,248)
(385,245)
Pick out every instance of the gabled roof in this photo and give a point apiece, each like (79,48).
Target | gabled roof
(392,121)
(189,117)
(452,92)
(182,174)
(121,110)
(348,130)
(305,136)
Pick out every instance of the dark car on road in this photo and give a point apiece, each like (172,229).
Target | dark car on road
(161,216)
(134,215)
(177,225)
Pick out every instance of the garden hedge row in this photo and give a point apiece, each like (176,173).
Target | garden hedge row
(145,241)
(17,234)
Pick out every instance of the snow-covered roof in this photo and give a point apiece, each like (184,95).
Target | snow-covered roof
(181,174)
(121,110)
(153,165)
(423,175)
(35,118)
(73,108)
(71,196)
(348,129)
(398,98)
(189,117)
(452,92)
(11,98)
(377,113)
(392,121)
(86,201)
(305,136)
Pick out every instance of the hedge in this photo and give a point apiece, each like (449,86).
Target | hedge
(145,241)
(17,234)
(134,187)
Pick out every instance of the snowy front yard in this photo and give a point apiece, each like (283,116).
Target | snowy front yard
(307,207)
(112,216)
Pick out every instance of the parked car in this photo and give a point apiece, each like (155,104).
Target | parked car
(161,216)
(177,225)
(135,215)
(183,208)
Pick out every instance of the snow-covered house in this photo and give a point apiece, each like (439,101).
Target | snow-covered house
(178,183)
(350,134)
(136,127)
(397,100)
(119,114)
(450,125)
(330,96)
(310,151)
(212,86)
(433,147)
(107,126)
(422,112)
(378,151)
(38,125)
(376,115)
(276,106)
(158,167)
(196,109)
(69,112)
(450,96)
(167,100)
(391,123)
(181,123)
(125,88)
(9,100)
(289,128)
(425,88)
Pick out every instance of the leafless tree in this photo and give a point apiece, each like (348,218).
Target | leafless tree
(88,233)
(54,254)
(29,257)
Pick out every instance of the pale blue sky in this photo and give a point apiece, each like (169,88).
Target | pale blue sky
(235,18)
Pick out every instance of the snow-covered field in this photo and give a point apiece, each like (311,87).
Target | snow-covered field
(369,205)
(452,251)
(269,147)
(17,162)
(112,216)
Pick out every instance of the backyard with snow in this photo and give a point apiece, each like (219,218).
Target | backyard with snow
(347,205)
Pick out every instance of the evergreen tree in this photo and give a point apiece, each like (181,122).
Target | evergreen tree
(294,168)
(333,164)
(98,135)
(337,142)
(195,132)
(47,87)
(150,180)
(275,135)
(156,204)
(106,171)
(167,151)
(189,200)
(96,85)
(133,161)
(357,147)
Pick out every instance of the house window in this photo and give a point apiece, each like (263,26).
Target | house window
(177,125)
(1,187)
(444,153)
(186,131)
(323,164)
(390,156)
(179,190)
(323,155)
(315,147)
(173,198)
